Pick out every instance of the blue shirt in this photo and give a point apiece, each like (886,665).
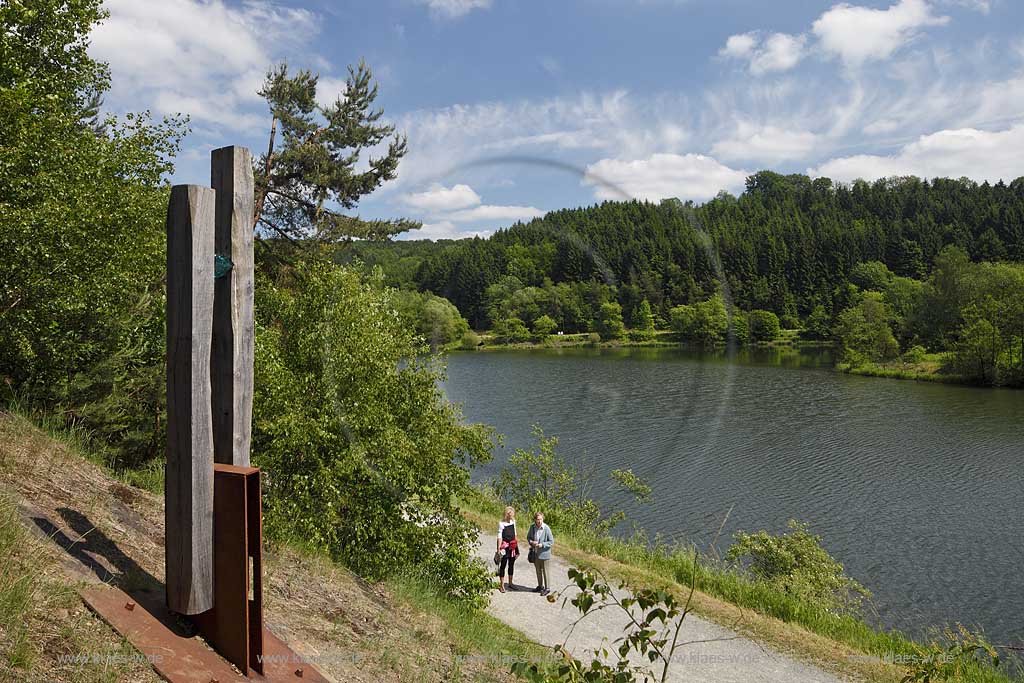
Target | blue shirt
(546,539)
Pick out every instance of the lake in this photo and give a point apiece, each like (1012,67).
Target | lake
(917,488)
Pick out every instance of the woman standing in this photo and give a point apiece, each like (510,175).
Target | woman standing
(508,546)
(541,539)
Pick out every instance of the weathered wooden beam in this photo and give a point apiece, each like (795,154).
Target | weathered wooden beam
(189,474)
(233,322)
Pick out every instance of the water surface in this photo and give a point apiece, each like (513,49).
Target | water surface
(915,487)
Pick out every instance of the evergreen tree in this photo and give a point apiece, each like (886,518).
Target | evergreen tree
(312,165)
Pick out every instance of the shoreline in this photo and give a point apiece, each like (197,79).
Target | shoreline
(926,371)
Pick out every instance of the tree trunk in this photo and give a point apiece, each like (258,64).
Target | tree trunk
(261,194)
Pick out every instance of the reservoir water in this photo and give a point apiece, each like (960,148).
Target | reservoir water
(917,488)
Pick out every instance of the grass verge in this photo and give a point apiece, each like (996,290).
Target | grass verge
(46,634)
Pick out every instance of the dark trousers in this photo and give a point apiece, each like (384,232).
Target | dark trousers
(507,558)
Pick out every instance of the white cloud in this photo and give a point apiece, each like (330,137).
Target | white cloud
(489,212)
(983,6)
(204,58)
(442,230)
(687,176)
(977,154)
(328,90)
(461,204)
(452,9)
(440,199)
(765,143)
(777,52)
(857,34)
(739,46)
(615,124)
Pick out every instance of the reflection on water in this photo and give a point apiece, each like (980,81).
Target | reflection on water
(915,487)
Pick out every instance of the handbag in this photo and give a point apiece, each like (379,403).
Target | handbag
(531,557)
(497,557)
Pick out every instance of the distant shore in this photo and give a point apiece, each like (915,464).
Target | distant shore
(927,369)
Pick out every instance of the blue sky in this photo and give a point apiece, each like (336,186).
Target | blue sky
(515,107)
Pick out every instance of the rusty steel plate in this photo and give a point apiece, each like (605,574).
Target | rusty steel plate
(177,656)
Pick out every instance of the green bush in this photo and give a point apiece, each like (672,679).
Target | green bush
(796,564)
(543,327)
(539,480)
(434,317)
(763,326)
(363,455)
(915,354)
(511,331)
(609,323)
(470,340)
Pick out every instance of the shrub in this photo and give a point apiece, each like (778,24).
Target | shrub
(470,340)
(593,339)
(538,479)
(763,326)
(543,327)
(609,324)
(796,563)
(362,454)
(915,354)
(511,331)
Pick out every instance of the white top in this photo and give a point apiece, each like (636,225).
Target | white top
(502,525)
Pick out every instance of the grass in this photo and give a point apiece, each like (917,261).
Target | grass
(928,369)
(476,634)
(16,589)
(46,634)
(76,437)
(842,643)
(395,631)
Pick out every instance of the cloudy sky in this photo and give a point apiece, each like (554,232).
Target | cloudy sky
(517,107)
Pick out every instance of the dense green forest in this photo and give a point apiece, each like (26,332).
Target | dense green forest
(941,257)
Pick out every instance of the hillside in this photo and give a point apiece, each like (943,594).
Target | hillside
(65,523)
(786,244)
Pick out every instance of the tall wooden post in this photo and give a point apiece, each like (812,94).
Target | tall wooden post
(189,473)
(233,323)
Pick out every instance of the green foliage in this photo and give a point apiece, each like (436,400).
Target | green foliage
(433,317)
(863,331)
(740,327)
(470,340)
(632,484)
(367,471)
(539,480)
(315,158)
(763,326)
(964,655)
(643,322)
(543,327)
(788,244)
(593,339)
(818,324)
(705,322)
(796,563)
(872,275)
(82,233)
(915,354)
(654,620)
(511,331)
(609,322)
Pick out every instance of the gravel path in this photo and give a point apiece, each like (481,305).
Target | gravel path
(727,658)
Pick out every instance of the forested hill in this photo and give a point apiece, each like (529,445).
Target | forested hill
(787,245)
